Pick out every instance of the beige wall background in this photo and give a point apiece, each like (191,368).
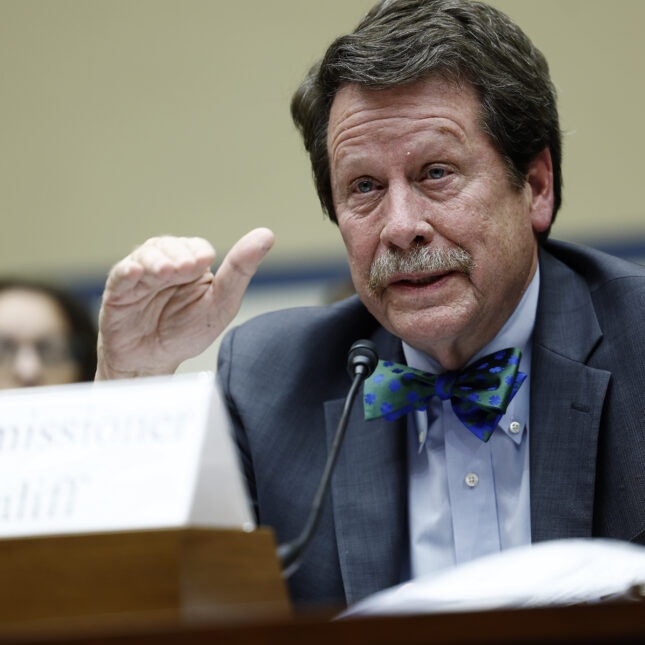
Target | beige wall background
(122,119)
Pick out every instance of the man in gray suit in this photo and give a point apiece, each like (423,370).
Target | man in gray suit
(434,138)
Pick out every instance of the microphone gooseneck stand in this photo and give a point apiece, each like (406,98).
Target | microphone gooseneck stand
(361,362)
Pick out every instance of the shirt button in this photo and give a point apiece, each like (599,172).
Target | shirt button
(515,427)
(471,480)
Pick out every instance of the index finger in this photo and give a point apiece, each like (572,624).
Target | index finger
(161,262)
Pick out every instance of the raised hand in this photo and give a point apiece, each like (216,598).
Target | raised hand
(162,304)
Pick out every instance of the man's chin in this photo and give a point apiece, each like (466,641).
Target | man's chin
(426,328)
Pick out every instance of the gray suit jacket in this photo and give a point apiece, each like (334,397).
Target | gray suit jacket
(284,378)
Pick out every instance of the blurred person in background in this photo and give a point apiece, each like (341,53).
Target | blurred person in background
(47,337)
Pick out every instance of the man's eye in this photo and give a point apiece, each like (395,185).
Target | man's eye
(365,186)
(436,173)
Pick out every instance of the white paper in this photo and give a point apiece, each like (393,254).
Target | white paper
(118,455)
(559,572)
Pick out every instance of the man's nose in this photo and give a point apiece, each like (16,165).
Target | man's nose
(407,219)
(27,366)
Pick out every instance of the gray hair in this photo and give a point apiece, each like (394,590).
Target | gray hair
(402,41)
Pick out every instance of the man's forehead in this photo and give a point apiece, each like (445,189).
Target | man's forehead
(356,106)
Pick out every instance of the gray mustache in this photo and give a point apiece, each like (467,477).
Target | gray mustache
(419,259)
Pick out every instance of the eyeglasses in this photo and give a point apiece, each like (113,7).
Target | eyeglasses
(51,351)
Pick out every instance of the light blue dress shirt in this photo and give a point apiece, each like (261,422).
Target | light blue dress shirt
(468,498)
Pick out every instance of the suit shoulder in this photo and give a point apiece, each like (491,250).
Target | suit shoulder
(596,268)
(615,287)
(293,332)
(305,322)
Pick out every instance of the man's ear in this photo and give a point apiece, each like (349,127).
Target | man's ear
(539,179)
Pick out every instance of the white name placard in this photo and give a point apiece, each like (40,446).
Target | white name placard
(119,455)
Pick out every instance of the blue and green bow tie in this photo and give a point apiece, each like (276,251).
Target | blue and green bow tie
(480,393)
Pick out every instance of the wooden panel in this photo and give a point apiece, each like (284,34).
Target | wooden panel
(245,576)
(178,573)
(601,624)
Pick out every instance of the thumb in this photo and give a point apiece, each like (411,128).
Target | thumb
(237,269)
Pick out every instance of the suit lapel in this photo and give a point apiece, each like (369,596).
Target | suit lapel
(368,492)
(565,417)
(567,397)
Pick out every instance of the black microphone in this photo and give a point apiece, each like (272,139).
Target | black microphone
(361,362)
